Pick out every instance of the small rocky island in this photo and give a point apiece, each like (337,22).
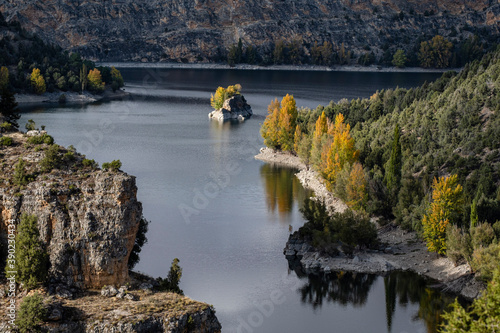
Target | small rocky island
(229,103)
(85,226)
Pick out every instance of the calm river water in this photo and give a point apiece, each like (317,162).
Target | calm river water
(225,215)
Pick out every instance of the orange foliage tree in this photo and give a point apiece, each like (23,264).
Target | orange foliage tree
(446,203)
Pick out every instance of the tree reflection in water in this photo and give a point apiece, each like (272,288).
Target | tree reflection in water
(401,288)
(282,188)
(344,288)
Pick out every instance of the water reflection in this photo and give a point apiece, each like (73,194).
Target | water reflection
(401,288)
(282,189)
(344,288)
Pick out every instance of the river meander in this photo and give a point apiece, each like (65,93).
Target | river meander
(225,215)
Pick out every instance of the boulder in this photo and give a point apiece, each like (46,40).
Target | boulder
(235,107)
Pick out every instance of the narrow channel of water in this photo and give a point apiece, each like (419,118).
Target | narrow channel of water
(227,216)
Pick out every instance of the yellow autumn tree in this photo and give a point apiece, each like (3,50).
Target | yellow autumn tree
(356,187)
(320,129)
(287,123)
(278,130)
(269,129)
(95,80)
(446,203)
(297,137)
(340,151)
(221,94)
(37,81)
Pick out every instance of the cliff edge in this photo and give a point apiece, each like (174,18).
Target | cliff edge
(87,218)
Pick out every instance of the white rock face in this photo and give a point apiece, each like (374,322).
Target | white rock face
(235,107)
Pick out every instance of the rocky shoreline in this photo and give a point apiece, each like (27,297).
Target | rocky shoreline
(400,250)
(71,97)
(316,68)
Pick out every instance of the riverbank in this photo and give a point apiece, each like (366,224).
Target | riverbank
(71,97)
(350,68)
(400,250)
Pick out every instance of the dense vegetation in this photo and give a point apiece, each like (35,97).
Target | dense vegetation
(483,316)
(30,65)
(328,231)
(428,52)
(428,157)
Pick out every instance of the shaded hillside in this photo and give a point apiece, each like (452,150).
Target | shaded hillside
(201,30)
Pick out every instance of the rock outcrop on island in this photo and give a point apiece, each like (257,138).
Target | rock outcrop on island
(194,31)
(235,107)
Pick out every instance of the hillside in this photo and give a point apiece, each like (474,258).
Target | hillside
(426,158)
(193,31)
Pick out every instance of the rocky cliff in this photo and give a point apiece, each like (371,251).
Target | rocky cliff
(202,30)
(87,218)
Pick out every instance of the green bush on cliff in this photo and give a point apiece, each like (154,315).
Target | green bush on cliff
(20,176)
(115,165)
(90,163)
(171,282)
(31,258)
(39,139)
(140,240)
(32,314)
(51,160)
(6,141)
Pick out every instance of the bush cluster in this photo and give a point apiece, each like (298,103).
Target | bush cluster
(347,229)
(39,139)
(115,165)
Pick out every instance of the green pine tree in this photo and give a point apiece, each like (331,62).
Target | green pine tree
(174,277)
(474,218)
(393,166)
(483,316)
(239,51)
(20,177)
(9,109)
(31,315)
(31,257)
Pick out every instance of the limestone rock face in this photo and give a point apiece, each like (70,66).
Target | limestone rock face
(194,31)
(89,233)
(87,218)
(235,107)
